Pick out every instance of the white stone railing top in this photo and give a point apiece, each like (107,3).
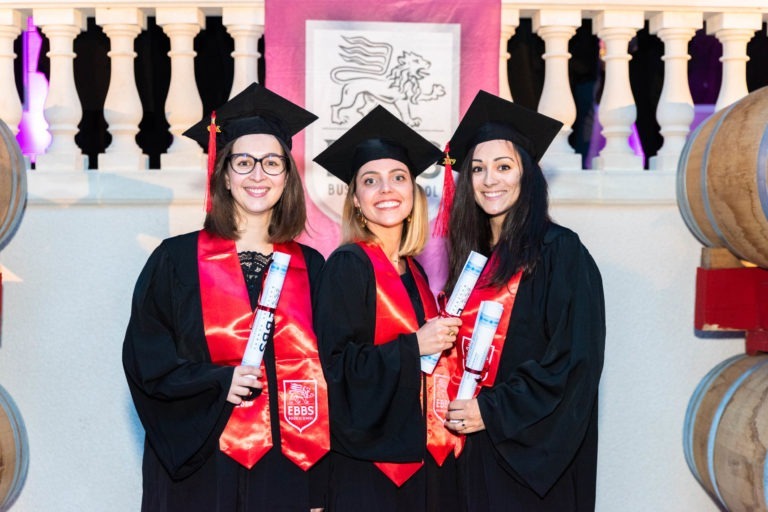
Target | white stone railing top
(525,7)
(617,175)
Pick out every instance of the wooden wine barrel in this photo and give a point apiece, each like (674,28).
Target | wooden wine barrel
(14,451)
(722,179)
(13,184)
(726,432)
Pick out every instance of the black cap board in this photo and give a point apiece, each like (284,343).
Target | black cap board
(378,135)
(255,110)
(490,117)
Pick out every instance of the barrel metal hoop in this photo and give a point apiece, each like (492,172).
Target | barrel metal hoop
(765,482)
(18,201)
(762,172)
(716,423)
(704,167)
(683,203)
(20,445)
(693,409)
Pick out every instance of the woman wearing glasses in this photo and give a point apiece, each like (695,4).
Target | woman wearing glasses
(221,435)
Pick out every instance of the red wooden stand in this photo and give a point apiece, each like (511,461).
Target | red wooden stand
(734,299)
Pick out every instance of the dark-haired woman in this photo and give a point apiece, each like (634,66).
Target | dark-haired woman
(221,435)
(530,432)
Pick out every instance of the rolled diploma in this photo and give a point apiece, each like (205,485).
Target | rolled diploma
(473,267)
(482,336)
(273,284)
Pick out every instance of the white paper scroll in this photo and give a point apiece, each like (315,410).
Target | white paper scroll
(487,322)
(473,267)
(262,324)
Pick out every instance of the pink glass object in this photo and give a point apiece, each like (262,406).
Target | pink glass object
(33,136)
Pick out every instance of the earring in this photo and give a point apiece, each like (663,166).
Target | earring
(409,218)
(361,218)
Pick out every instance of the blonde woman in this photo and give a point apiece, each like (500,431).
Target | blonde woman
(375,317)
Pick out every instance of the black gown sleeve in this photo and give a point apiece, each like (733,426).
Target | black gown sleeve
(540,408)
(314,262)
(179,395)
(373,389)
(318,474)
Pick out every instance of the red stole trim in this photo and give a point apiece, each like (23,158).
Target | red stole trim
(302,392)
(505,295)
(394,316)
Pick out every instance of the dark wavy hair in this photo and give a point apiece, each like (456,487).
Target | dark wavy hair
(289,215)
(522,231)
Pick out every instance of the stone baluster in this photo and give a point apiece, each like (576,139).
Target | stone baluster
(246,26)
(10,104)
(510,20)
(617,111)
(122,106)
(63,110)
(675,110)
(733,30)
(183,106)
(556,27)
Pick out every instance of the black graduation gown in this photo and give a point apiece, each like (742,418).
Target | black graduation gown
(539,449)
(373,394)
(180,397)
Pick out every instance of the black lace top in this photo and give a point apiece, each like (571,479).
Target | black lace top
(254,265)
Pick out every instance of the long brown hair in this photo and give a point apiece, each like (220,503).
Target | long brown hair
(522,231)
(289,215)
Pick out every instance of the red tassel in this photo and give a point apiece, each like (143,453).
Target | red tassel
(212,130)
(443,218)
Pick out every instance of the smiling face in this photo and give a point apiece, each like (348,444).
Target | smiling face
(384,193)
(496,172)
(255,193)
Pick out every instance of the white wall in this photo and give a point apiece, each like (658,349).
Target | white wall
(67,282)
(653,360)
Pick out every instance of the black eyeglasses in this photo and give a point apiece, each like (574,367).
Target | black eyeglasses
(271,164)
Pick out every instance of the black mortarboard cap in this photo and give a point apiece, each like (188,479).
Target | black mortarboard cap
(490,117)
(255,110)
(378,135)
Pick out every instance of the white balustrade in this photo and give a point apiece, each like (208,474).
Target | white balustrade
(616,23)
(63,110)
(510,20)
(733,30)
(122,106)
(617,111)
(10,104)
(675,110)
(183,106)
(556,27)
(246,26)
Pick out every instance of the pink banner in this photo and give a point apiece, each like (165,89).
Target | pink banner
(476,57)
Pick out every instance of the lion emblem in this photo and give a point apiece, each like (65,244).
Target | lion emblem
(374,79)
(300,394)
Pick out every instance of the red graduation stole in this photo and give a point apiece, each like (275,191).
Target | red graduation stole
(483,291)
(395,316)
(302,391)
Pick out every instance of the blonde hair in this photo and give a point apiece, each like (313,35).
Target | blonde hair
(415,228)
